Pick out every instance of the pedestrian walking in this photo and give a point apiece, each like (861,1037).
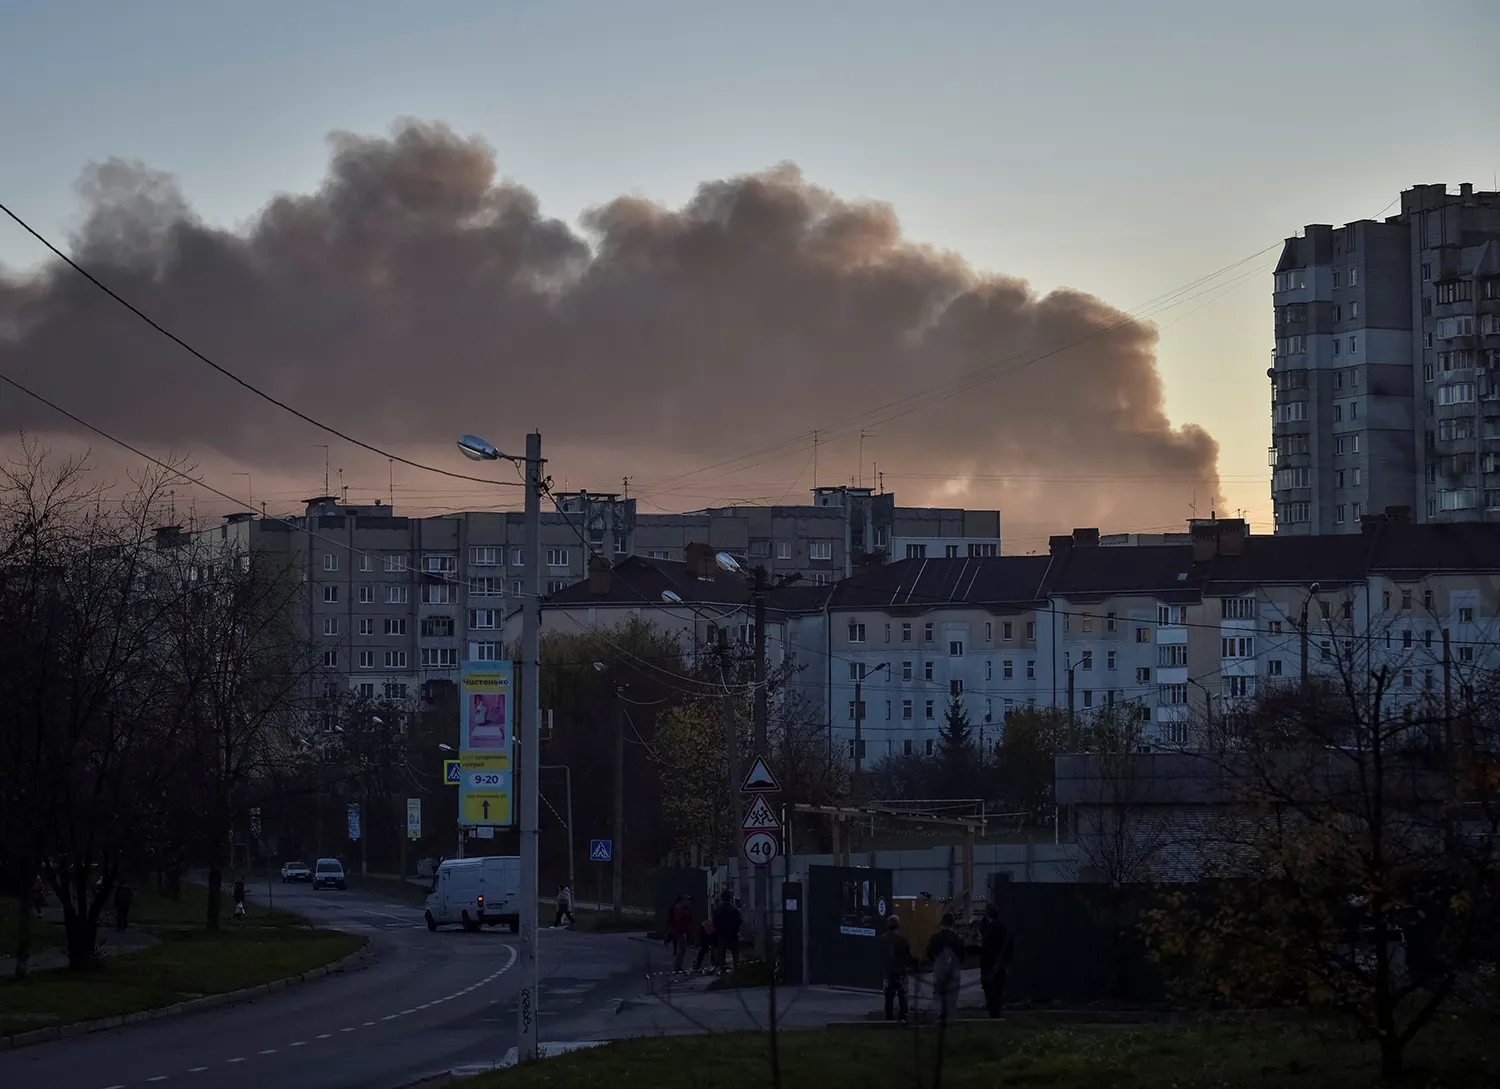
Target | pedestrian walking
(707,946)
(895,953)
(239,897)
(564,906)
(680,931)
(124,894)
(727,922)
(996,946)
(946,951)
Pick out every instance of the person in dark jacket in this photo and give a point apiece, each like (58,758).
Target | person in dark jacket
(706,946)
(680,931)
(239,897)
(946,951)
(895,953)
(727,922)
(123,896)
(995,948)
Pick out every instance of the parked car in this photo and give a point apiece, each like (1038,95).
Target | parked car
(329,874)
(476,892)
(295,871)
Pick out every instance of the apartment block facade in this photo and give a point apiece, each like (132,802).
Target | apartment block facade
(397,602)
(1385,376)
(1170,634)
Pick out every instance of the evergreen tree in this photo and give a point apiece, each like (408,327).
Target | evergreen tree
(957,759)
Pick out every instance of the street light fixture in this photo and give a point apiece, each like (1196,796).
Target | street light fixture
(672,597)
(528,792)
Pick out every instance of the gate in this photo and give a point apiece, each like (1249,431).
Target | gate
(846,910)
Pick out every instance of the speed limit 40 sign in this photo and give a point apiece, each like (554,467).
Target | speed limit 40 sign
(760,848)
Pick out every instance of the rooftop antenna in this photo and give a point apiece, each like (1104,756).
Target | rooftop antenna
(262,508)
(881,478)
(861,480)
(324,445)
(815,460)
(1193,505)
(343,489)
(391,470)
(625,485)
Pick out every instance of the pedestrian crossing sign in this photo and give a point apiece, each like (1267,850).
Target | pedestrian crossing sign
(451,773)
(600,850)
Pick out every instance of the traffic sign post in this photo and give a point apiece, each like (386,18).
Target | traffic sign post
(452,772)
(760,818)
(760,780)
(600,850)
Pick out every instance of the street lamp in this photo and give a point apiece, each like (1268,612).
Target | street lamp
(616,874)
(859,715)
(528,794)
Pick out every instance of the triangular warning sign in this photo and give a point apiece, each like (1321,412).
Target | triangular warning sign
(760,780)
(761,818)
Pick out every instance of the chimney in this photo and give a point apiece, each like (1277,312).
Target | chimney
(1086,538)
(1060,543)
(1466,189)
(700,561)
(1232,534)
(1217,537)
(601,576)
(170,537)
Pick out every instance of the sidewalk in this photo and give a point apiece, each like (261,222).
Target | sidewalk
(50,958)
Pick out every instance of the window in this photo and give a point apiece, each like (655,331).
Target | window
(1109,622)
(1236,687)
(366,626)
(856,710)
(395,690)
(927,633)
(1465,615)
(820,550)
(783,550)
(1273,627)
(331,594)
(955,648)
(1237,646)
(906,671)
(888,632)
(930,746)
(977,550)
(1238,608)
(486,586)
(1007,669)
(1088,698)
(1172,695)
(1142,674)
(856,671)
(396,562)
(367,659)
(437,626)
(1006,630)
(1088,660)
(1325,650)
(1465,654)
(1087,622)
(484,618)
(989,631)
(1143,635)
(989,669)
(367,690)
(395,625)
(950,552)
(1110,660)
(906,633)
(1172,656)
(441,593)
(396,593)
(856,633)
(1031,669)
(438,563)
(1406,678)
(331,659)
(486,556)
(1406,639)
(887,715)
(906,710)
(518,557)
(1338,512)
(557,557)
(1454,291)
(906,747)
(955,688)
(330,625)
(330,561)
(930,710)
(1172,615)
(367,595)
(366,562)
(439,657)
(484,652)
(927,671)
(1030,630)
(1273,667)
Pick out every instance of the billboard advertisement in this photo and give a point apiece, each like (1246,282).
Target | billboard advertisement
(414,818)
(486,704)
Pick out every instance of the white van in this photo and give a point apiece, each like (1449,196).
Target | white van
(475,892)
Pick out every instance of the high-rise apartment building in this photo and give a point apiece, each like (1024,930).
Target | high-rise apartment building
(1385,379)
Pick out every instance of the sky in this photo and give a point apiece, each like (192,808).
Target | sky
(1124,151)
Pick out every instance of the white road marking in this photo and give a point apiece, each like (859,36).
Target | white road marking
(324,1035)
(239,1060)
(296,1043)
(269,1051)
(159,1077)
(114,1087)
(349,1029)
(197,1069)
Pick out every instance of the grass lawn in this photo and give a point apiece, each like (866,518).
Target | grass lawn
(1223,1055)
(44,935)
(187,962)
(598,922)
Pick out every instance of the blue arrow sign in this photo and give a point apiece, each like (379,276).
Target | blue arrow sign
(600,850)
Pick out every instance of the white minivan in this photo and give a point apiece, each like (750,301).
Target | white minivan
(475,892)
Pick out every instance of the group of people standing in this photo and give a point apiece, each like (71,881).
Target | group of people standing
(946,952)
(717,933)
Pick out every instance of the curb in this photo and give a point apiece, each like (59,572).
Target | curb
(352,963)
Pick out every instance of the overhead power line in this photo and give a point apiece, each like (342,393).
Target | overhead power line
(236,379)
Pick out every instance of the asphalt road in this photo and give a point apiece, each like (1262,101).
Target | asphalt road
(430,1001)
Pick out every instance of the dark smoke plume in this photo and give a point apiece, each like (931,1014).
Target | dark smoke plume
(415,296)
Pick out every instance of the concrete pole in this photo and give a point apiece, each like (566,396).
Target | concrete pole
(527,1019)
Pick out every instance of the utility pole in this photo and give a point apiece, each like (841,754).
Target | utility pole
(859,740)
(732,758)
(617,849)
(1447,700)
(762,873)
(527,1021)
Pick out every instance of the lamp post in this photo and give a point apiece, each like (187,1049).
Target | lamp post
(859,716)
(529,792)
(617,848)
